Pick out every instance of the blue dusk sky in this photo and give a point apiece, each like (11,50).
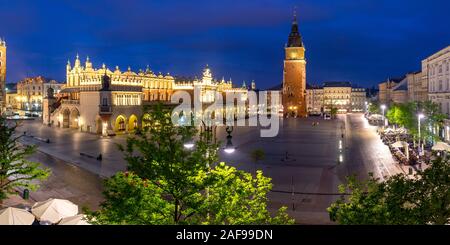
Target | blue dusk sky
(361,41)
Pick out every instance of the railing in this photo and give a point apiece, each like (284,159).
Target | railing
(106,109)
(70,102)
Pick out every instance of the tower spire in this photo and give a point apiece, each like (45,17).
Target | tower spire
(294,21)
(295,39)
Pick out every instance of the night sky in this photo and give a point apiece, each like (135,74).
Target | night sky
(362,41)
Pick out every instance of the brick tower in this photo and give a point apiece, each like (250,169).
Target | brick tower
(294,74)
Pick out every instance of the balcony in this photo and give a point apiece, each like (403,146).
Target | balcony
(105,109)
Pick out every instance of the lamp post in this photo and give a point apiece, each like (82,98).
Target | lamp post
(419,117)
(383,107)
(229,148)
(211,138)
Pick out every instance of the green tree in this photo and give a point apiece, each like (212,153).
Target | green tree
(405,115)
(374,108)
(391,114)
(237,198)
(15,169)
(162,159)
(131,200)
(424,199)
(433,118)
(188,186)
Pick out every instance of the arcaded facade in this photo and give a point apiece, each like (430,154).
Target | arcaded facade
(108,102)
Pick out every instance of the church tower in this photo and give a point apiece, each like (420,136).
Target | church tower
(294,74)
(2,74)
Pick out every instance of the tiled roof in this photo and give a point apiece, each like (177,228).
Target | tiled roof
(403,85)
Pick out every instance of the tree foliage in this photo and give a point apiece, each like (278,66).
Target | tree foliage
(168,184)
(424,199)
(405,115)
(402,115)
(131,200)
(15,169)
(374,108)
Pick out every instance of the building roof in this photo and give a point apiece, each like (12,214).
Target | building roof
(337,84)
(403,85)
(179,79)
(396,79)
(313,86)
(295,39)
(415,72)
(438,53)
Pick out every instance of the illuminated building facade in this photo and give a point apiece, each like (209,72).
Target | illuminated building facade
(108,102)
(31,91)
(340,95)
(314,99)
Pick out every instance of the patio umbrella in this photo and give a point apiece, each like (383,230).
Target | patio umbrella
(399,144)
(440,146)
(15,216)
(74,220)
(53,210)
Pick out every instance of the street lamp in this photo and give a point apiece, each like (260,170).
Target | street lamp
(383,107)
(229,148)
(188,145)
(419,117)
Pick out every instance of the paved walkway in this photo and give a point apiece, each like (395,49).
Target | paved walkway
(363,145)
(67,144)
(302,158)
(66,182)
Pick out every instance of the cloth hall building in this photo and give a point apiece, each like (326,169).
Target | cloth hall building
(108,102)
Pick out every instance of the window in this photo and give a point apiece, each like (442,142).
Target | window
(440,85)
(105,101)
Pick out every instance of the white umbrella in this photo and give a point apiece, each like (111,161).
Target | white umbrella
(399,144)
(74,220)
(15,216)
(440,146)
(53,210)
